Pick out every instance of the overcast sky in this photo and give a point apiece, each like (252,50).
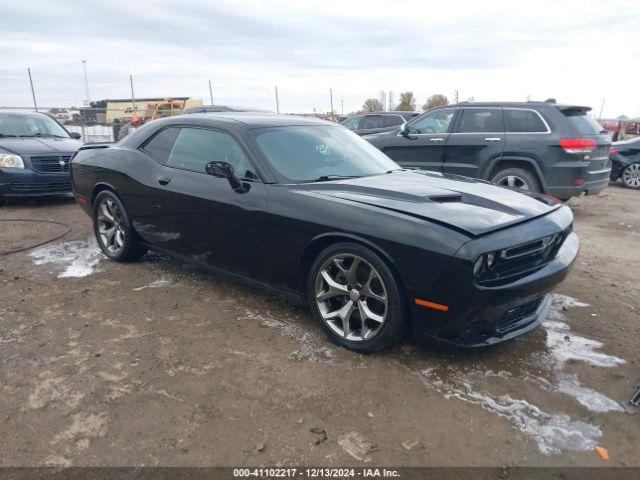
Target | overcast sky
(576,51)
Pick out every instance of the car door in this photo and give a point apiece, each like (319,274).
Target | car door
(478,140)
(422,144)
(202,216)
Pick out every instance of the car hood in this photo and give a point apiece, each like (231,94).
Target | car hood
(474,207)
(33,145)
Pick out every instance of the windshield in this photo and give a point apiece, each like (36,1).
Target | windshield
(30,125)
(307,153)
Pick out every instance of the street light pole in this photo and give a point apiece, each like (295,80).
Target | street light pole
(33,93)
(133,97)
(331,99)
(87,98)
(277,101)
(211,92)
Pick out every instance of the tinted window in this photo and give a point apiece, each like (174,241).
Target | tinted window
(481,120)
(583,123)
(305,153)
(392,120)
(195,147)
(351,123)
(371,121)
(161,144)
(437,121)
(523,121)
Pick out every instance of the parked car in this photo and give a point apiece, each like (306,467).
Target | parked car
(536,146)
(625,162)
(35,151)
(308,209)
(377,122)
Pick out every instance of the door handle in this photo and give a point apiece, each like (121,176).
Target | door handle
(436,139)
(493,139)
(164,180)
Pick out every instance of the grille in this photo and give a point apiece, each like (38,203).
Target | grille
(518,316)
(51,163)
(41,187)
(520,260)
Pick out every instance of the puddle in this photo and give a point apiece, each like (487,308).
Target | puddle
(78,258)
(541,378)
(159,283)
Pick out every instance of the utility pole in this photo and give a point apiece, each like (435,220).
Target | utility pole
(342,107)
(211,92)
(331,100)
(277,102)
(601,109)
(133,97)
(33,93)
(455,96)
(87,98)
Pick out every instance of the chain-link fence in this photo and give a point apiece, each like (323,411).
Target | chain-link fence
(94,125)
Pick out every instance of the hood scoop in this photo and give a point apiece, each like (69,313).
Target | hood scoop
(454,198)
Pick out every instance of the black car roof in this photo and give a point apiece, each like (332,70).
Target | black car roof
(249,119)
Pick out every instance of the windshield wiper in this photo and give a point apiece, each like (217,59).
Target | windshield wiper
(328,178)
(41,135)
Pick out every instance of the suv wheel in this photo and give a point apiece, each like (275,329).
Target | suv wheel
(631,176)
(355,298)
(517,178)
(113,230)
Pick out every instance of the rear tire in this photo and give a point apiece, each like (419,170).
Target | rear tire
(355,298)
(631,176)
(113,229)
(518,178)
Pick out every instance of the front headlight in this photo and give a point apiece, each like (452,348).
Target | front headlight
(10,160)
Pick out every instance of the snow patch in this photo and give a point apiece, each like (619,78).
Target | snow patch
(78,258)
(159,283)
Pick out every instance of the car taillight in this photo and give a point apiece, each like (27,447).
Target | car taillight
(613,151)
(578,145)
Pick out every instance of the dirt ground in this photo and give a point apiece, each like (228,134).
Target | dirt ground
(160,363)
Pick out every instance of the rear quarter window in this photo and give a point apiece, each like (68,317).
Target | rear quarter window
(392,120)
(521,121)
(161,144)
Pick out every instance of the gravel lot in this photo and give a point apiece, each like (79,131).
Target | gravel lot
(161,363)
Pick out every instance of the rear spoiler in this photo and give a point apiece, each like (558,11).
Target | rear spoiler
(573,108)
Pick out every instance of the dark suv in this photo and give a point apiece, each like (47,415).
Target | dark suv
(377,122)
(537,146)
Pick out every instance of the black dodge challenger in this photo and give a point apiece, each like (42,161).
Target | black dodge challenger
(310,210)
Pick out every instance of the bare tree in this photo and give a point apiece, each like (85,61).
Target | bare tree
(437,100)
(372,105)
(407,102)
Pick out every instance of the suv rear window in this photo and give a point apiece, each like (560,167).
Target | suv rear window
(583,123)
(523,121)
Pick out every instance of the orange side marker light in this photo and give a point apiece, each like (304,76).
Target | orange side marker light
(435,306)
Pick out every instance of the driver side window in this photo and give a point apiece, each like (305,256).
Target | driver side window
(436,122)
(196,147)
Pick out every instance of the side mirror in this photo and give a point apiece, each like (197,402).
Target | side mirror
(75,135)
(225,170)
(404,131)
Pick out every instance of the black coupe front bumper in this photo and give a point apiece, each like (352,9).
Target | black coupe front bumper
(477,315)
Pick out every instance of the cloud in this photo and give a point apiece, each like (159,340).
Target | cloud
(488,50)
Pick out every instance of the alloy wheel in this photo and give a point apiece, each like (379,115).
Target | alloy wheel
(513,181)
(631,175)
(351,297)
(110,226)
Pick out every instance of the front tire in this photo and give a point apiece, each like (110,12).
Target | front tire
(631,176)
(518,178)
(113,229)
(356,298)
